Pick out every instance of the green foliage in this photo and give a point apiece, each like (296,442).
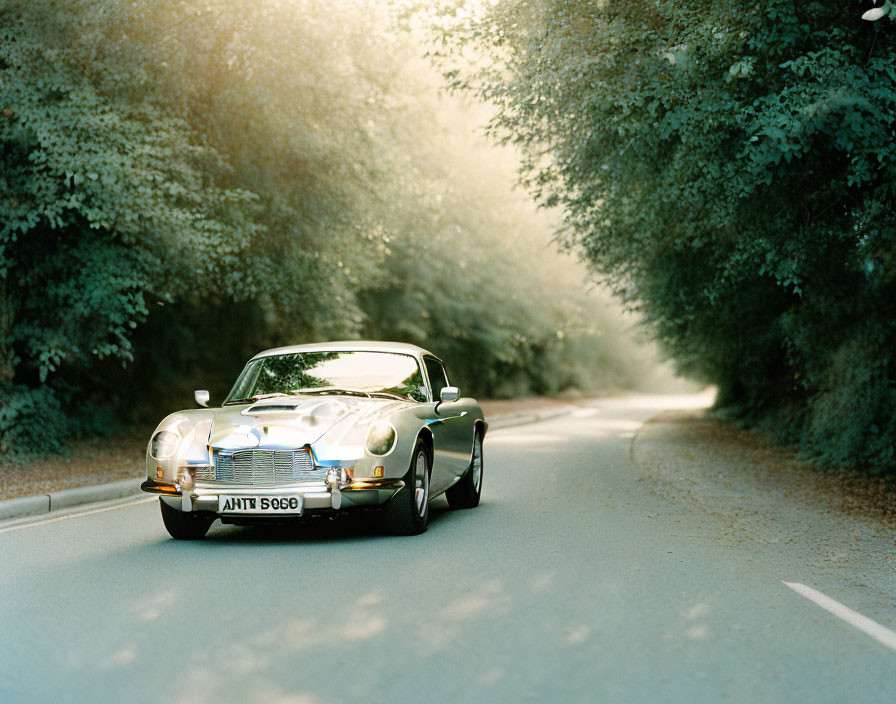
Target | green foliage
(730,167)
(31,418)
(184,183)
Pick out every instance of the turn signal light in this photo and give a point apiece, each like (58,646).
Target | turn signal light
(159,473)
(378,471)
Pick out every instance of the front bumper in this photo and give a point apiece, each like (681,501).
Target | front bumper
(316,495)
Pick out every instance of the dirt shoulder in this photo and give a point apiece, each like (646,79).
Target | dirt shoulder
(101,460)
(84,462)
(751,493)
(689,448)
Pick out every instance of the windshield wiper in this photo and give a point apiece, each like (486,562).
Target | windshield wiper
(237,401)
(388,395)
(252,399)
(330,390)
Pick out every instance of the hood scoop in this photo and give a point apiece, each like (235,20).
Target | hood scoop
(311,410)
(271,408)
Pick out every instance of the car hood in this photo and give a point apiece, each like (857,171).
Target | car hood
(286,422)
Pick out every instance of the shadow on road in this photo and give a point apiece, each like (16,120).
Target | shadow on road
(353,526)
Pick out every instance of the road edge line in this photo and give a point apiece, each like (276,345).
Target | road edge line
(73,512)
(42,504)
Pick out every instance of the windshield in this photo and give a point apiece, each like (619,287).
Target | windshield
(373,373)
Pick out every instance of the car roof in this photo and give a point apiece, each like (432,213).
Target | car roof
(350,346)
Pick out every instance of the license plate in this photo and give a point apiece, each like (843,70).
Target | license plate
(261,504)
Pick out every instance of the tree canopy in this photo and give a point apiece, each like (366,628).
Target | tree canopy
(729,166)
(184,183)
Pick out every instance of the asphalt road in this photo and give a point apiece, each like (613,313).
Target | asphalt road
(573,581)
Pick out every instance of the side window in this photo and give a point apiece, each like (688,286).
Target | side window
(436,374)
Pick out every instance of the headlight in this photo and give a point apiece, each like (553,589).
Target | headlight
(380,439)
(163,444)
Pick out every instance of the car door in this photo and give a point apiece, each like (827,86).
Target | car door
(452,430)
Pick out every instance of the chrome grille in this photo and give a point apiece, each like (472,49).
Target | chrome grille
(204,472)
(266,467)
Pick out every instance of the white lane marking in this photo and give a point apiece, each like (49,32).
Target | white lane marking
(872,628)
(76,514)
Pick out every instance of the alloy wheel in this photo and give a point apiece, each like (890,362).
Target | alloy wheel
(421,484)
(477,464)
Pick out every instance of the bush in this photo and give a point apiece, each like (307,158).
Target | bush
(30,418)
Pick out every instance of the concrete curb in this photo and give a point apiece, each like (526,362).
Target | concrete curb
(24,506)
(99,492)
(66,498)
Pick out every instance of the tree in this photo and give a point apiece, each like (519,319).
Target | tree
(730,167)
(186,182)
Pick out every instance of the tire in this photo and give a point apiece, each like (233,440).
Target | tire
(184,526)
(466,493)
(407,513)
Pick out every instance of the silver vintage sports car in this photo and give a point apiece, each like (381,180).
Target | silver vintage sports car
(321,428)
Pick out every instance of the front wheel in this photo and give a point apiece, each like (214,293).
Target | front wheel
(184,526)
(407,513)
(466,493)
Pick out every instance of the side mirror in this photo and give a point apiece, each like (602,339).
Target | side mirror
(201,397)
(449,394)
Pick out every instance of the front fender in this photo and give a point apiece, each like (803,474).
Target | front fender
(344,445)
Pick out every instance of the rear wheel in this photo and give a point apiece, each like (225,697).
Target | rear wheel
(466,493)
(184,526)
(407,513)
